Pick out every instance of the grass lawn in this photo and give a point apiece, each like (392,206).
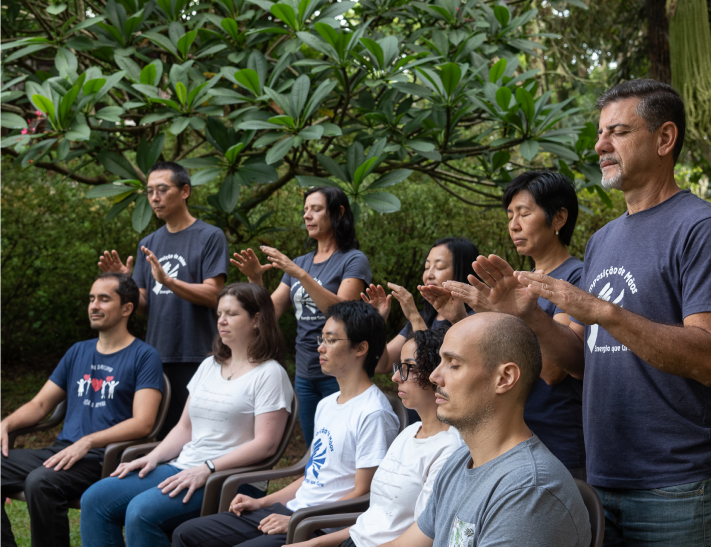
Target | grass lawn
(19,386)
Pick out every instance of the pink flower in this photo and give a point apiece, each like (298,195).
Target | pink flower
(24,132)
(38,113)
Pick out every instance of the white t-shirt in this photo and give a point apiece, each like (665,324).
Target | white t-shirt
(222,412)
(349,436)
(402,485)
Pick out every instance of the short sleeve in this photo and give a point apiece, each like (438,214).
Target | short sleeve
(149,373)
(508,522)
(426,519)
(434,469)
(406,330)
(196,380)
(273,391)
(139,270)
(695,268)
(215,257)
(60,375)
(358,267)
(375,435)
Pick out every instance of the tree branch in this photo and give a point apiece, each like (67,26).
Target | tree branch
(93,181)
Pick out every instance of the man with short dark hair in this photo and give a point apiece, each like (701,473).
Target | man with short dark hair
(504,487)
(644,314)
(180,270)
(113,388)
(353,430)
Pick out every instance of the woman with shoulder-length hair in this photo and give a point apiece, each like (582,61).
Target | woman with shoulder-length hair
(542,208)
(334,271)
(235,416)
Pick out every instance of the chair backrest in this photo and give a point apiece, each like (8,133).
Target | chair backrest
(595,510)
(399,409)
(288,431)
(162,408)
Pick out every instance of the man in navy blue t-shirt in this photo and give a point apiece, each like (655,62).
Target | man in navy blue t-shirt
(113,387)
(643,311)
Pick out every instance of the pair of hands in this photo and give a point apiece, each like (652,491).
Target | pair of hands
(193,479)
(270,525)
(64,459)
(111,262)
(248,263)
(376,297)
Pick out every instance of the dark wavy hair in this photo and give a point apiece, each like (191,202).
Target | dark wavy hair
(269,341)
(126,289)
(342,225)
(427,356)
(464,252)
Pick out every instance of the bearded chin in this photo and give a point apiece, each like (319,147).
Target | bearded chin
(614,182)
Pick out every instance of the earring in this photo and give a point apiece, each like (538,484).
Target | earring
(556,232)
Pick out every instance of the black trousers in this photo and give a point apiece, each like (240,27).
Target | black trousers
(349,542)
(227,529)
(47,491)
(179,375)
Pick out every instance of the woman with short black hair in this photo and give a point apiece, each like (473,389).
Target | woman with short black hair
(333,272)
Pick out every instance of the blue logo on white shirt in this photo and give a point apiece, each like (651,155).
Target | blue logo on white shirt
(321,445)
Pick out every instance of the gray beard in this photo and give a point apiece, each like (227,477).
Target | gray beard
(471,423)
(613,183)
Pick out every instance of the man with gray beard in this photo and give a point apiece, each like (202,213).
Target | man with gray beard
(504,487)
(643,311)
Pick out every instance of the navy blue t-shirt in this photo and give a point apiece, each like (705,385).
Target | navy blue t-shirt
(352,264)
(181,332)
(555,413)
(645,428)
(100,387)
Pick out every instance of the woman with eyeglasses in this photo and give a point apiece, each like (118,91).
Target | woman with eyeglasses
(335,271)
(448,259)
(403,482)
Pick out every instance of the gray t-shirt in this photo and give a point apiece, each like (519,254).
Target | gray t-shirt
(181,332)
(523,497)
(309,319)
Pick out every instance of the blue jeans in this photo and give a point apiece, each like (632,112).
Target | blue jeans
(310,392)
(675,516)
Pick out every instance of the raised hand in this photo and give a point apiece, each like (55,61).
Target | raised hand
(504,292)
(281,261)
(145,464)
(376,297)
(274,524)
(407,303)
(476,299)
(192,479)
(248,263)
(242,503)
(159,274)
(449,307)
(585,307)
(111,262)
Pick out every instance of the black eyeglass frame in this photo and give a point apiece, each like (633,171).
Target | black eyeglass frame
(397,367)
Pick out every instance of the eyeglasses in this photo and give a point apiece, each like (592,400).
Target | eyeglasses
(403,369)
(161,190)
(328,341)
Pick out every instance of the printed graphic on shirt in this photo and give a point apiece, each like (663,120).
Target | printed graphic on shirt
(107,386)
(462,534)
(322,445)
(304,305)
(620,280)
(170,263)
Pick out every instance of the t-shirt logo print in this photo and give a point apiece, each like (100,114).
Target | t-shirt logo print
(171,271)
(605,294)
(304,306)
(462,534)
(317,458)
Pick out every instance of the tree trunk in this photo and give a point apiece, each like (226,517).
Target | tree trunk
(658,36)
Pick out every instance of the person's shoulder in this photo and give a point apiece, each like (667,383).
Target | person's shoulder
(79,349)
(271,369)
(143,348)
(146,241)
(355,254)
(694,208)
(207,231)
(303,259)
(456,462)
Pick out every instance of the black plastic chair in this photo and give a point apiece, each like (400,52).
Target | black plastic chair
(113,451)
(596,511)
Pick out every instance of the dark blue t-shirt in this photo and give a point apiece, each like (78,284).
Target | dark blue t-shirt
(352,264)
(555,413)
(645,428)
(100,387)
(181,332)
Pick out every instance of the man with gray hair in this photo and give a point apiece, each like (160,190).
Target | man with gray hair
(504,487)
(644,315)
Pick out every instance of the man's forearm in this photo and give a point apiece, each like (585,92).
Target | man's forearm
(679,350)
(27,415)
(560,346)
(201,294)
(128,430)
(283,496)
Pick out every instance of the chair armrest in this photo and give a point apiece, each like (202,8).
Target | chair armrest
(137,451)
(229,488)
(359,504)
(306,528)
(54,420)
(113,454)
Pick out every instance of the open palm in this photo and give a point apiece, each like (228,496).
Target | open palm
(503,291)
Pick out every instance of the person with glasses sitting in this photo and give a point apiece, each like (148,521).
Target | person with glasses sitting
(354,428)
(404,480)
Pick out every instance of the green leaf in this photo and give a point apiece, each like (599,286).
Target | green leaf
(260,173)
(181,93)
(232,152)
(603,196)
(110,113)
(525,101)
(199,163)
(179,124)
(382,202)
(133,71)
(12,121)
(392,178)
(56,9)
(90,22)
(94,85)
(279,150)
(148,75)
(300,93)
(229,192)
(204,176)
(420,146)
(450,74)
(307,181)
(120,206)
(286,14)
(141,214)
(161,41)
(330,165)
(249,79)
(45,105)
(311,133)
(66,62)
(363,171)
(115,163)
(497,71)
(503,97)
(148,154)
(317,44)
(108,190)
(258,124)
(185,42)
(412,89)
(560,151)
(528,149)
(24,51)
(79,131)
(502,15)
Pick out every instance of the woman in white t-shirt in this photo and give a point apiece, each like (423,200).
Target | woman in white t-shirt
(235,416)
(403,482)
